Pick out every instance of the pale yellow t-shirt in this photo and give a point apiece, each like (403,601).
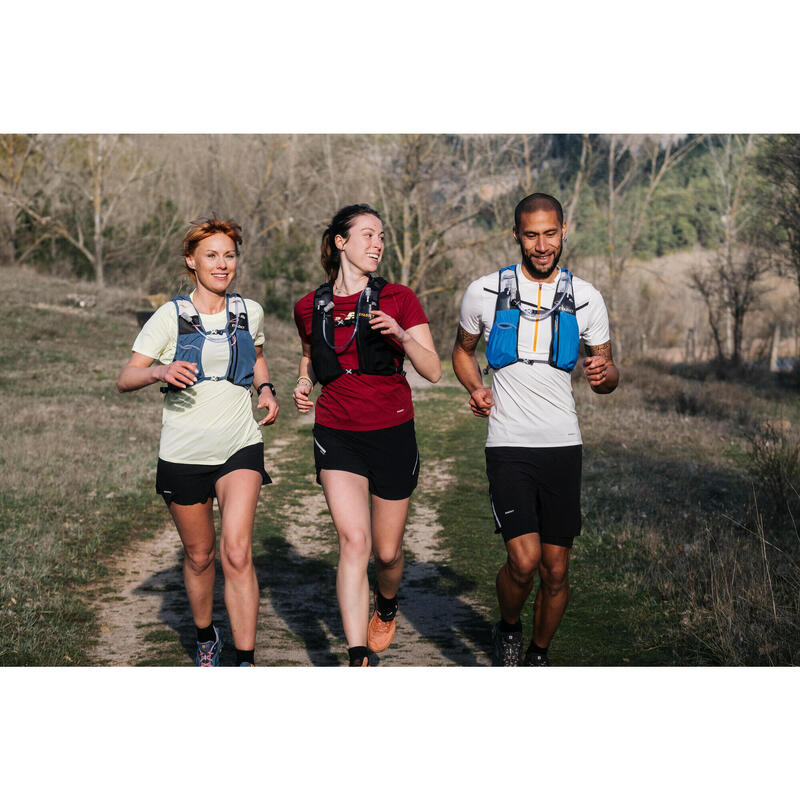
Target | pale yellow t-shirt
(208,422)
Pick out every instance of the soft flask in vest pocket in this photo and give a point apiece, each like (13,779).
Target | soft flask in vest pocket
(566,336)
(501,349)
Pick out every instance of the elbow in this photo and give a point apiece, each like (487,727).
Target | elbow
(436,374)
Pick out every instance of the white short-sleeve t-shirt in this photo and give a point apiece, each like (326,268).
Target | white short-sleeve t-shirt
(210,421)
(533,403)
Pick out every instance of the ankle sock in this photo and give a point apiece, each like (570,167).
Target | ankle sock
(532,648)
(509,627)
(357,655)
(206,634)
(245,655)
(386,607)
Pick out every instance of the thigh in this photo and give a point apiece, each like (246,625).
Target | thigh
(388,523)
(392,456)
(237,494)
(195,524)
(560,495)
(347,495)
(513,492)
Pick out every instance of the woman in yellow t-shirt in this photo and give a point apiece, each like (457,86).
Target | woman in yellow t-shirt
(207,349)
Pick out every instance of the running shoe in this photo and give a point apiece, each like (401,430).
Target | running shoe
(506,647)
(247,664)
(535,659)
(208,653)
(380,631)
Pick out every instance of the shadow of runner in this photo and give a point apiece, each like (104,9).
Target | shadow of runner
(303,593)
(430,600)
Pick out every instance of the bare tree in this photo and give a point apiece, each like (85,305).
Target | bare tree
(729,287)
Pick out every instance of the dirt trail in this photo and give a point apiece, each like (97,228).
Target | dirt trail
(143,611)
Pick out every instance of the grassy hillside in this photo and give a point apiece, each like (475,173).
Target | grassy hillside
(689,554)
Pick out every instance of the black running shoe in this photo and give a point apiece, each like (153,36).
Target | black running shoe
(506,647)
(535,659)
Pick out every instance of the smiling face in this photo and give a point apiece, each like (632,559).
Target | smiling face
(363,247)
(213,262)
(540,236)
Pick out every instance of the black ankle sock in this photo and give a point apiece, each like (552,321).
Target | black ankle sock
(386,607)
(357,655)
(508,627)
(532,648)
(206,634)
(245,655)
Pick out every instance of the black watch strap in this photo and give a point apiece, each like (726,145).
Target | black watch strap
(271,388)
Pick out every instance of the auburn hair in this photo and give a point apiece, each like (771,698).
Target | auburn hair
(204,227)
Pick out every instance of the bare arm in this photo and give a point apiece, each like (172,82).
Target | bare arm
(140,371)
(265,397)
(417,343)
(466,368)
(305,381)
(599,368)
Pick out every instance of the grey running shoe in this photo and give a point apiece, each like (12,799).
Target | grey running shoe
(208,653)
(506,647)
(535,659)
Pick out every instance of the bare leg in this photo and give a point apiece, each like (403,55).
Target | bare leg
(515,578)
(195,524)
(388,525)
(553,594)
(347,495)
(237,495)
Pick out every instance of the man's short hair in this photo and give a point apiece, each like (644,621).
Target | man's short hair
(538,202)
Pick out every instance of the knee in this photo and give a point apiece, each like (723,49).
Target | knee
(554,578)
(199,561)
(237,557)
(354,546)
(522,567)
(386,557)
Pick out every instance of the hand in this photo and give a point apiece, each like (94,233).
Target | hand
(595,368)
(300,397)
(388,326)
(481,401)
(267,400)
(178,373)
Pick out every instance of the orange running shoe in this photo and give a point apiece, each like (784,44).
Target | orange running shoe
(380,632)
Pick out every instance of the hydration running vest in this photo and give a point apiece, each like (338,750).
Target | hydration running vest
(375,355)
(501,349)
(192,336)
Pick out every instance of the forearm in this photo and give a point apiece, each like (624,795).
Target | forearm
(260,371)
(426,362)
(306,370)
(466,368)
(132,378)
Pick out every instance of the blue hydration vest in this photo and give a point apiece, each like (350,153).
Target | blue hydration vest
(501,350)
(192,336)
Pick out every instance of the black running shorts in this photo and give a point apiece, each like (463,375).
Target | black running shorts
(388,458)
(536,490)
(187,484)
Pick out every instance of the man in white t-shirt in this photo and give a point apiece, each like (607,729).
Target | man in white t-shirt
(533,448)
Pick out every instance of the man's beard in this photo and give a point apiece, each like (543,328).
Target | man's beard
(535,270)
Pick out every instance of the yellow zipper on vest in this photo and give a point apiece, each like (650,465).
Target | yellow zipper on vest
(536,325)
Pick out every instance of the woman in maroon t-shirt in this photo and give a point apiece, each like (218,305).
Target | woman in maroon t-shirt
(364,442)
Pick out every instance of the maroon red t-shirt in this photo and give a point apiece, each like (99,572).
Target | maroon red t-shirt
(364,402)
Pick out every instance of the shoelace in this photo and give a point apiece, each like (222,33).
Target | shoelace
(206,658)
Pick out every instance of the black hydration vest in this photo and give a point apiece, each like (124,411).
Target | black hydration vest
(375,355)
